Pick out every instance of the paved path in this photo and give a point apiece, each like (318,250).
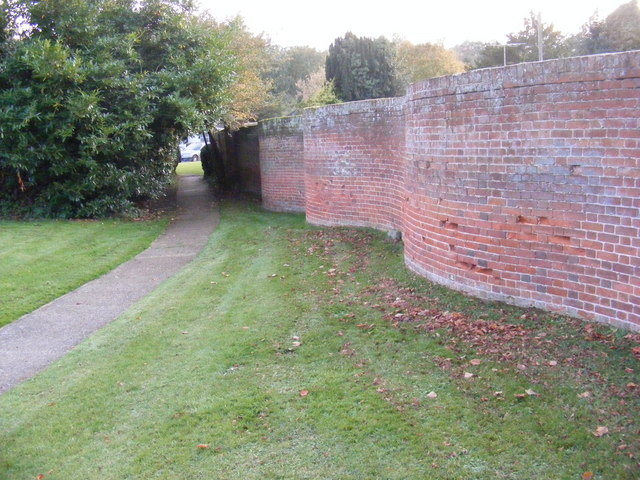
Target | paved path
(34,341)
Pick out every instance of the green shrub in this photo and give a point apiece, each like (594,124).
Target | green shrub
(95,97)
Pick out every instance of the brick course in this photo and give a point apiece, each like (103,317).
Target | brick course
(282,164)
(520,184)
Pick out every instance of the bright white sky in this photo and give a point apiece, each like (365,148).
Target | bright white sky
(450,22)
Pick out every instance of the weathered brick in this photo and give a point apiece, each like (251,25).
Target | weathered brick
(519,183)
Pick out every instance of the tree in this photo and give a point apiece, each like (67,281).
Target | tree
(288,68)
(591,38)
(95,97)
(251,87)
(292,65)
(362,68)
(621,30)
(316,91)
(554,45)
(426,60)
(468,52)
(4,26)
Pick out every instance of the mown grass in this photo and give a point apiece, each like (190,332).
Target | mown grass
(288,352)
(41,260)
(189,168)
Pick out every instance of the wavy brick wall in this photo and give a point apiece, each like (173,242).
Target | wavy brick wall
(282,164)
(519,184)
(354,164)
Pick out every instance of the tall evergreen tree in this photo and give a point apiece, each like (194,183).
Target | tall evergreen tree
(362,68)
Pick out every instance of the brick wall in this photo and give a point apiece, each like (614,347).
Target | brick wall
(354,164)
(282,164)
(519,184)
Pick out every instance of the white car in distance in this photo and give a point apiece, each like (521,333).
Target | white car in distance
(190,152)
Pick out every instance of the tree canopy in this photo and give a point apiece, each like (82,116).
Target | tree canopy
(94,96)
(524,45)
(426,60)
(619,32)
(289,68)
(362,68)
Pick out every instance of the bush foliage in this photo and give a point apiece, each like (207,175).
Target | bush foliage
(94,97)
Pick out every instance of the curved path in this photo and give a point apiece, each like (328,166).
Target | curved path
(35,340)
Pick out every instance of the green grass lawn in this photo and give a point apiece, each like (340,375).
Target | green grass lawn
(189,168)
(41,260)
(289,352)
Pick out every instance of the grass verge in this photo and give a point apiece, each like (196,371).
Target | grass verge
(189,168)
(289,352)
(41,260)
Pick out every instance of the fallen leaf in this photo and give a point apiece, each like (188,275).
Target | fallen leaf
(475,362)
(522,367)
(468,375)
(40,477)
(498,393)
(622,447)
(304,393)
(631,385)
(203,446)
(587,475)
(584,395)
(366,326)
(520,396)
(531,393)
(432,395)
(553,363)
(601,431)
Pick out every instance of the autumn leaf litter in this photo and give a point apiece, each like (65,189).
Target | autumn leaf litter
(528,341)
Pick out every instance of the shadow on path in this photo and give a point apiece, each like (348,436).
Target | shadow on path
(35,340)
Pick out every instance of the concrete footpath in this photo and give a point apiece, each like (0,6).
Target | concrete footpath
(35,340)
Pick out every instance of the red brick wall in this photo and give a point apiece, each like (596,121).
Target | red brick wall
(354,164)
(520,184)
(524,184)
(282,164)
